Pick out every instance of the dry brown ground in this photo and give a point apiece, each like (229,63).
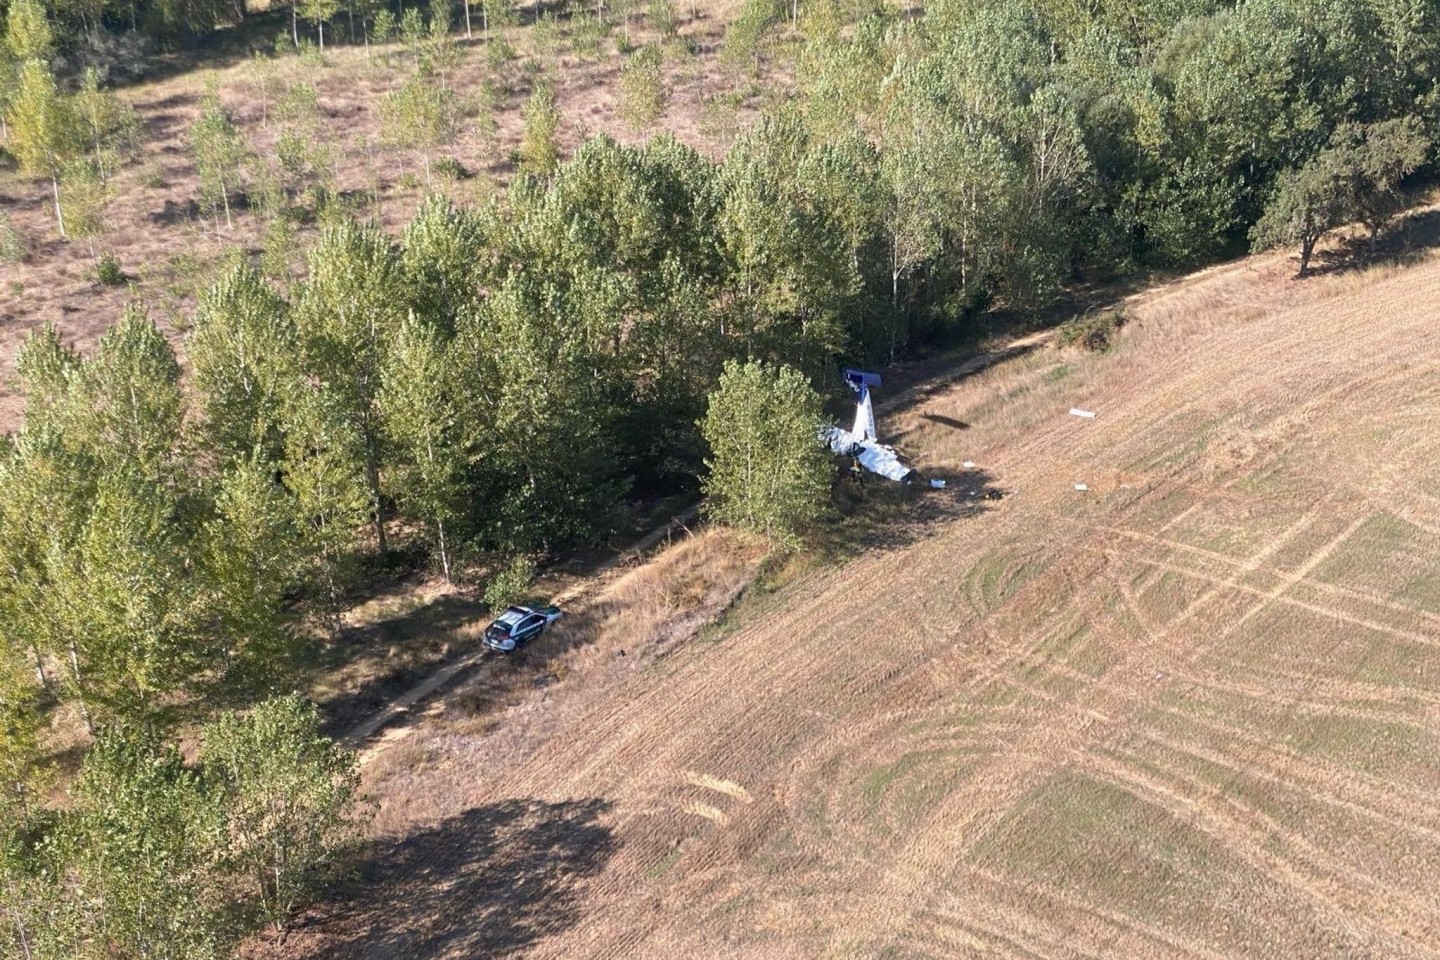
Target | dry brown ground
(1193,712)
(169,250)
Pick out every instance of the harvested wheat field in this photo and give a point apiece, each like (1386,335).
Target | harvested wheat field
(1192,712)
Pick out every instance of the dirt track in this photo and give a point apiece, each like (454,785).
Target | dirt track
(1193,712)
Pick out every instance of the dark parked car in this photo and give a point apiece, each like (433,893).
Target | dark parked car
(518,626)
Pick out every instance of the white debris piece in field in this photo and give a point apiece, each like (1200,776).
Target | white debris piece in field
(1087,414)
(1081,487)
(938,484)
(968,464)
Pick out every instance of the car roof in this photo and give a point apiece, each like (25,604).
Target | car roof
(513,616)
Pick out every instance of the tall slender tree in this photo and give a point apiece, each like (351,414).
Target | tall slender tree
(347,313)
(44,135)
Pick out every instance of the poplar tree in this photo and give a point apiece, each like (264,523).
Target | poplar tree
(347,313)
(539,152)
(442,256)
(142,841)
(242,349)
(251,553)
(128,402)
(44,136)
(420,114)
(287,793)
(28,35)
(218,150)
(424,421)
(319,12)
(84,201)
(768,471)
(642,88)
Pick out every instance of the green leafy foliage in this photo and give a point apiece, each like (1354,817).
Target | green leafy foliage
(539,152)
(642,87)
(109,271)
(510,585)
(1094,331)
(142,844)
(287,794)
(768,471)
(158,858)
(219,152)
(1353,178)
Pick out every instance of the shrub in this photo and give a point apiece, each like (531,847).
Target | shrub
(1093,331)
(510,585)
(642,88)
(12,245)
(449,168)
(107,270)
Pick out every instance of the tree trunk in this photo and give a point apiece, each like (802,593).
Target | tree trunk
(321,27)
(80,688)
(225,200)
(444,553)
(20,935)
(295,23)
(468,34)
(40,673)
(372,474)
(1307,248)
(59,215)
(350,12)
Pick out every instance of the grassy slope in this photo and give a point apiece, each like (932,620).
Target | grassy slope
(1190,713)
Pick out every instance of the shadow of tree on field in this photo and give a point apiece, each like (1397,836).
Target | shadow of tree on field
(879,514)
(945,421)
(490,882)
(1408,241)
(403,659)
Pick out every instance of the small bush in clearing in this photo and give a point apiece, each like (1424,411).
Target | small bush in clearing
(108,271)
(1094,331)
(12,245)
(449,168)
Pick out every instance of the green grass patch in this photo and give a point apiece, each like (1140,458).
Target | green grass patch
(998,575)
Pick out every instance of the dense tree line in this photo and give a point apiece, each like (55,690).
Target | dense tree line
(157,857)
(1018,146)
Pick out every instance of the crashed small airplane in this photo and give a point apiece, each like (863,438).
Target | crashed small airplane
(860,441)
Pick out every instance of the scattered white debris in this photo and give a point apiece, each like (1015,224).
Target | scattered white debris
(968,464)
(938,484)
(1081,487)
(1087,414)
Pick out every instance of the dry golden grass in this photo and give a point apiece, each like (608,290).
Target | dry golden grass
(1193,712)
(517,702)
